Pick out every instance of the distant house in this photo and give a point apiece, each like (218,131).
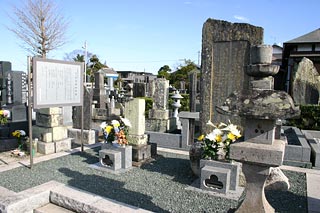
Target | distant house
(308,46)
(137,82)
(136,77)
(277,54)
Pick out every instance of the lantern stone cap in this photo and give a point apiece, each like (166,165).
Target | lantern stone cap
(260,104)
(176,95)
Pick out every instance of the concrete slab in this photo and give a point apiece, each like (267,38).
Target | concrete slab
(313,192)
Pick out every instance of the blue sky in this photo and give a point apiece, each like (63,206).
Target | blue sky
(144,35)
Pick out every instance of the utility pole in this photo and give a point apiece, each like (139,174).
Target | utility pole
(85,62)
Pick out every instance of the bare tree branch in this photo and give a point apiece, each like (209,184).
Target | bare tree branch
(39,25)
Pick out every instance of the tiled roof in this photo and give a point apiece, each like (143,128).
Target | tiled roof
(312,37)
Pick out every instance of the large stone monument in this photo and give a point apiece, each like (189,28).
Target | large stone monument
(306,83)
(158,120)
(261,106)
(225,53)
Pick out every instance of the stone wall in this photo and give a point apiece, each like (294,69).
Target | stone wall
(225,54)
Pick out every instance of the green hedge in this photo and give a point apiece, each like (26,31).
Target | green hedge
(148,105)
(309,118)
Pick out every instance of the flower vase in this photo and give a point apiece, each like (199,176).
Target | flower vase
(195,154)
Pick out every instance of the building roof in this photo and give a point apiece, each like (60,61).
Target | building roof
(312,37)
(108,72)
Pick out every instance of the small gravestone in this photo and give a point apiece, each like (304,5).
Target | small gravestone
(306,83)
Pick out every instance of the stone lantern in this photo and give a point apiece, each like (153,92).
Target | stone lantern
(176,106)
(261,106)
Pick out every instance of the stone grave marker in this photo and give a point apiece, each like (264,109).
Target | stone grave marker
(306,83)
(225,54)
(158,120)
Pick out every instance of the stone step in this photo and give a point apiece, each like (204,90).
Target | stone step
(52,208)
(82,201)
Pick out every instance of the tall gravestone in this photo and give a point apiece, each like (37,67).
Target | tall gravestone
(225,54)
(90,136)
(99,92)
(5,67)
(306,83)
(159,114)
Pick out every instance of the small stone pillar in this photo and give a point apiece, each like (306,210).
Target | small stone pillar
(261,106)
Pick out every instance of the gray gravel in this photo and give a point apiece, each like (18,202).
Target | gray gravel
(158,186)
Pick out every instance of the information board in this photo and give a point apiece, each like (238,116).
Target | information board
(57,83)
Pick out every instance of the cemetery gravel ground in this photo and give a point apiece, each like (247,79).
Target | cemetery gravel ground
(158,186)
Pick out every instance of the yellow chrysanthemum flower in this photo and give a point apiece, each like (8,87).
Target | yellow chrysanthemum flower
(231,136)
(200,138)
(108,128)
(218,138)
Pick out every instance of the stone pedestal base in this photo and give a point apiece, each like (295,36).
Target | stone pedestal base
(255,200)
(89,136)
(118,157)
(54,147)
(141,152)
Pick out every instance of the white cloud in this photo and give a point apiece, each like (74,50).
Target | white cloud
(187,2)
(241,18)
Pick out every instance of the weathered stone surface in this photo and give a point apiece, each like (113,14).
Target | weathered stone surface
(89,136)
(134,112)
(45,120)
(141,152)
(50,111)
(160,94)
(261,54)
(262,84)
(45,148)
(306,83)
(87,111)
(263,154)
(262,70)
(255,200)
(63,145)
(225,55)
(99,92)
(263,104)
(58,133)
(277,180)
(157,125)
